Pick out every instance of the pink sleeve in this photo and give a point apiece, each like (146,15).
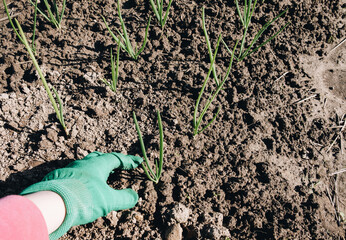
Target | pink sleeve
(21,219)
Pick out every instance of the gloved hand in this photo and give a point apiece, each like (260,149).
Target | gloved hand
(83,187)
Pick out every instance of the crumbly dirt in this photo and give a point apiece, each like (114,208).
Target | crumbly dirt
(261,171)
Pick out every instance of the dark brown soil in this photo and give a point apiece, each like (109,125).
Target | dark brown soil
(261,171)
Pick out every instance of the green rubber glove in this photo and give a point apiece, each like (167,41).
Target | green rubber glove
(83,187)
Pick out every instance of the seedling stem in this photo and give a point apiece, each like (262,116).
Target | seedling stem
(58,110)
(115,71)
(127,46)
(153,176)
(158,10)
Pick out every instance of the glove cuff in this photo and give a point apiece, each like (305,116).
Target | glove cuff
(76,198)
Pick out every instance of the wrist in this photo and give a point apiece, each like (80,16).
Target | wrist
(52,207)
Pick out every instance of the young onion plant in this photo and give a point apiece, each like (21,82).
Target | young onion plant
(249,7)
(159,13)
(209,47)
(115,71)
(124,41)
(33,45)
(58,109)
(153,176)
(197,121)
(52,15)
(245,18)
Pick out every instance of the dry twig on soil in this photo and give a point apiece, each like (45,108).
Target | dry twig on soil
(338,172)
(338,135)
(338,45)
(333,195)
(281,76)
(305,99)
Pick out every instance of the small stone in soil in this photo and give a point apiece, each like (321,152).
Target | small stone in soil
(52,135)
(137,217)
(19,167)
(211,231)
(45,144)
(174,232)
(74,132)
(99,223)
(112,217)
(180,213)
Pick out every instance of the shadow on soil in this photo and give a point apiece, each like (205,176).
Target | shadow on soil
(17,182)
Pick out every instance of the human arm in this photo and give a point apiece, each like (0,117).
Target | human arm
(82,186)
(52,207)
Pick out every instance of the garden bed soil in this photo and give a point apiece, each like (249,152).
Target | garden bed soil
(261,171)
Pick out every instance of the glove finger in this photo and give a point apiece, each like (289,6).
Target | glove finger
(131,164)
(127,162)
(102,164)
(92,155)
(122,199)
